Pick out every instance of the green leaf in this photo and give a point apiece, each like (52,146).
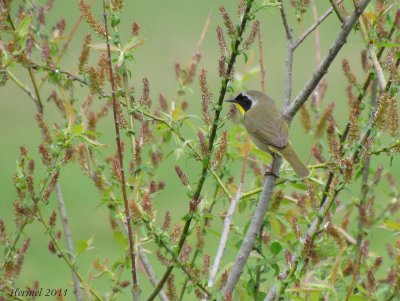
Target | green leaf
(275,266)
(300,186)
(78,129)
(23,27)
(386,45)
(391,225)
(261,296)
(246,58)
(81,246)
(251,287)
(121,239)
(275,248)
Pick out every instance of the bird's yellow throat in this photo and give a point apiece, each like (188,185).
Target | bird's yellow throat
(240,108)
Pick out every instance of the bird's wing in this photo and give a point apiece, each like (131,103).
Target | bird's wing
(272,129)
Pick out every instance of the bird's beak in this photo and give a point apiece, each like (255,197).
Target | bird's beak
(230,99)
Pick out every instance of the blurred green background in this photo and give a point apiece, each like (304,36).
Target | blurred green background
(171,30)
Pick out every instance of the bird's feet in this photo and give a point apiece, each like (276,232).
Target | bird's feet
(270,172)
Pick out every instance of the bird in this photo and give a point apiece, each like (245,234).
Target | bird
(268,129)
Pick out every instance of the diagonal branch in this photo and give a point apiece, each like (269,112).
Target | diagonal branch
(326,62)
(227,222)
(152,275)
(68,239)
(312,27)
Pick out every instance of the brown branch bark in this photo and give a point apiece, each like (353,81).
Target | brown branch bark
(135,287)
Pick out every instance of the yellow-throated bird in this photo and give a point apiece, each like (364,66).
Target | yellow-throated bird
(268,128)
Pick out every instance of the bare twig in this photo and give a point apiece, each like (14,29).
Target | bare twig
(135,288)
(204,32)
(227,222)
(372,54)
(312,27)
(152,275)
(289,57)
(326,62)
(355,273)
(253,230)
(262,68)
(25,89)
(63,255)
(68,238)
(288,30)
(367,82)
(337,10)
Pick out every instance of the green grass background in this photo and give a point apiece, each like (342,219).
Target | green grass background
(171,30)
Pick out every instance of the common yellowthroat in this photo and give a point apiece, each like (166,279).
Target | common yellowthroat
(268,128)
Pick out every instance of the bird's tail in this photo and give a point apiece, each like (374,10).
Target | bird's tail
(290,155)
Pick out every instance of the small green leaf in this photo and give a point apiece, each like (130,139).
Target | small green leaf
(78,129)
(275,266)
(251,287)
(392,225)
(81,246)
(246,58)
(23,27)
(121,239)
(300,186)
(276,247)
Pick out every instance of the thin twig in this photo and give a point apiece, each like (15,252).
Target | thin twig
(227,223)
(312,28)
(135,288)
(372,54)
(37,100)
(63,255)
(355,274)
(204,32)
(262,68)
(289,57)
(207,218)
(25,89)
(336,7)
(367,82)
(68,238)
(152,275)
(326,62)
(288,30)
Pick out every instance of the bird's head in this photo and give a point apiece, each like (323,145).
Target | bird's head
(246,100)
